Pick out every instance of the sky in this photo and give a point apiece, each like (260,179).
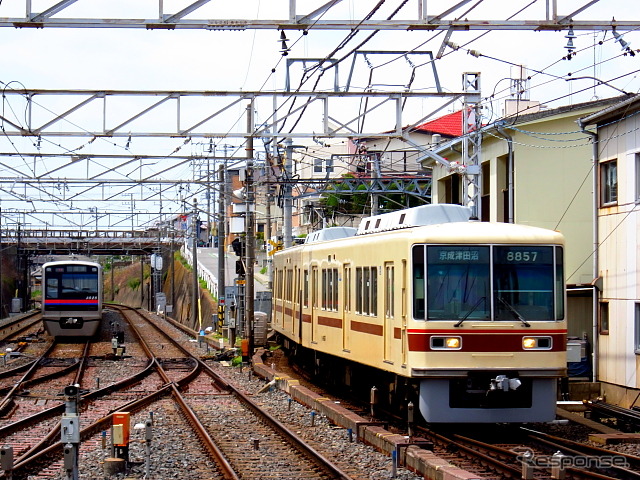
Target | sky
(250,60)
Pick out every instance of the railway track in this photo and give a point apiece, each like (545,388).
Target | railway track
(491,457)
(230,404)
(530,454)
(625,419)
(181,398)
(22,325)
(202,423)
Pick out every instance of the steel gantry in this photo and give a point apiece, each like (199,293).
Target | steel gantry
(170,114)
(85,175)
(207,15)
(115,117)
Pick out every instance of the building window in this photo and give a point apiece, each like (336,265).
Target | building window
(604,318)
(329,165)
(320,164)
(636,329)
(608,183)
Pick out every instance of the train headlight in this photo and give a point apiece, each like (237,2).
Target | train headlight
(446,343)
(536,343)
(453,342)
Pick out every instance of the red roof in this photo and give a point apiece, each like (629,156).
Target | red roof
(450,125)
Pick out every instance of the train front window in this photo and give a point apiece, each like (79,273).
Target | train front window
(79,284)
(524,278)
(487,282)
(457,282)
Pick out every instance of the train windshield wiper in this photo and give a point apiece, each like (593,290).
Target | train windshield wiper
(471,310)
(514,312)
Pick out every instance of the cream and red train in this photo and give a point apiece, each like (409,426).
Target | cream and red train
(469,315)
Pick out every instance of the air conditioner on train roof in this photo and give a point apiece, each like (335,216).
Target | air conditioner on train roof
(414,217)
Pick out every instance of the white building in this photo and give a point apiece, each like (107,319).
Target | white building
(618,248)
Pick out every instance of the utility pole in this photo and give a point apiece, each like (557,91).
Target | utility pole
(113,293)
(374,196)
(221,237)
(173,284)
(194,254)
(251,233)
(472,143)
(287,210)
(267,235)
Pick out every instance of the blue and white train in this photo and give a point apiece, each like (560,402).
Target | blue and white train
(72,298)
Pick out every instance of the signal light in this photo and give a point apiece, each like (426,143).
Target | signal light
(240,267)
(238,247)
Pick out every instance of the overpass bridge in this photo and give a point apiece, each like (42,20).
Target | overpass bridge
(87,242)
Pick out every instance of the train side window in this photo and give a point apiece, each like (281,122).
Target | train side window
(330,289)
(290,285)
(346,282)
(305,288)
(560,285)
(388,293)
(358,289)
(374,291)
(334,289)
(366,285)
(325,288)
(314,288)
(418,282)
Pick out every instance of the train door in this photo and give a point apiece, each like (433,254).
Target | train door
(403,313)
(388,289)
(346,306)
(314,304)
(278,307)
(295,312)
(304,303)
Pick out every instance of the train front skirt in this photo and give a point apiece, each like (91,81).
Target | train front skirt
(450,400)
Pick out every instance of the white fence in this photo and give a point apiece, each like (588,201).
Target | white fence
(203,273)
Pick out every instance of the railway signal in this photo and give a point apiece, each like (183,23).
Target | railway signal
(6,461)
(238,247)
(70,430)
